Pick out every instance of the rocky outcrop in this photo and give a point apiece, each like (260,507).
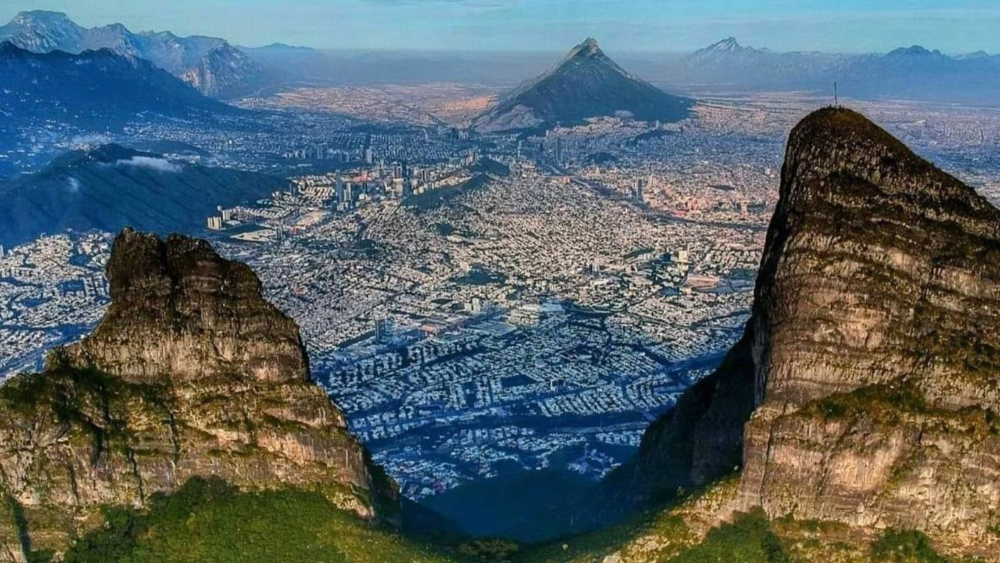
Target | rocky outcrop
(873,345)
(179,311)
(190,373)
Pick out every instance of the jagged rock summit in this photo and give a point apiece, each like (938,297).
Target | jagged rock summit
(191,373)
(585,84)
(871,362)
(180,312)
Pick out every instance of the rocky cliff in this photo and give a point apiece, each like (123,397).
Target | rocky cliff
(871,362)
(190,373)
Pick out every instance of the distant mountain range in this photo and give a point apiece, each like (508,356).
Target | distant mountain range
(585,84)
(112,187)
(914,73)
(210,64)
(95,88)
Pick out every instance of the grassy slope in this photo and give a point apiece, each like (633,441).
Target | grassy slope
(211,522)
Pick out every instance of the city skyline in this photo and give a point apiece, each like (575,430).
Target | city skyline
(530,25)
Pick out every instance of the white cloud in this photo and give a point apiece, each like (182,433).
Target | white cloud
(151,163)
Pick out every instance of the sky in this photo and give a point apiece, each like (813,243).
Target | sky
(848,26)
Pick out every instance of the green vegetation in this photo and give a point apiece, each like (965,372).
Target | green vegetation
(901,402)
(909,546)
(432,199)
(210,521)
(479,275)
(749,539)
(488,551)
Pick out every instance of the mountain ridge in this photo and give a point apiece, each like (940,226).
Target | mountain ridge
(914,72)
(95,89)
(210,64)
(110,187)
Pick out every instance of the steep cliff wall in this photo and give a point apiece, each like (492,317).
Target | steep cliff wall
(190,373)
(871,362)
(877,348)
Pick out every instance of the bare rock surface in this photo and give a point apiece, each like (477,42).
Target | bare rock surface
(190,373)
(871,362)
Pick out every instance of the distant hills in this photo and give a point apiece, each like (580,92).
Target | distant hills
(566,92)
(112,187)
(95,88)
(585,84)
(210,64)
(914,73)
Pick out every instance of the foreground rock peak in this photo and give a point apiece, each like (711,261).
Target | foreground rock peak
(866,388)
(832,150)
(191,373)
(180,311)
(875,257)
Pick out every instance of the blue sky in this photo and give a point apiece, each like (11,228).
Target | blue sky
(955,26)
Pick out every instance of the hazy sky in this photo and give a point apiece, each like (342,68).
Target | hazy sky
(955,26)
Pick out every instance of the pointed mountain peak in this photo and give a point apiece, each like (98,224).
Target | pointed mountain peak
(588,49)
(727,45)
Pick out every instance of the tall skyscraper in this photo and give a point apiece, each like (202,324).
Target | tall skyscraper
(383,330)
(637,191)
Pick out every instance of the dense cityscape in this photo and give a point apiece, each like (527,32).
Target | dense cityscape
(466,333)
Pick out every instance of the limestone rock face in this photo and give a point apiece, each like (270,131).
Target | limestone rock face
(190,373)
(877,342)
(178,310)
(872,356)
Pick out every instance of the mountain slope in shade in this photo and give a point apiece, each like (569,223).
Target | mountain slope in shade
(112,187)
(585,84)
(94,88)
(870,363)
(210,64)
(190,374)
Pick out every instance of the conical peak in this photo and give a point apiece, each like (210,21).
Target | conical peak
(589,48)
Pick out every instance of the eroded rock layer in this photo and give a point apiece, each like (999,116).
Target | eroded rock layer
(877,341)
(190,373)
(871,362)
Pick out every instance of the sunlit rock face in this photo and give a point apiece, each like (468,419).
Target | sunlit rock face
(190,373)
(866,389)
(180,311)
(876,346)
